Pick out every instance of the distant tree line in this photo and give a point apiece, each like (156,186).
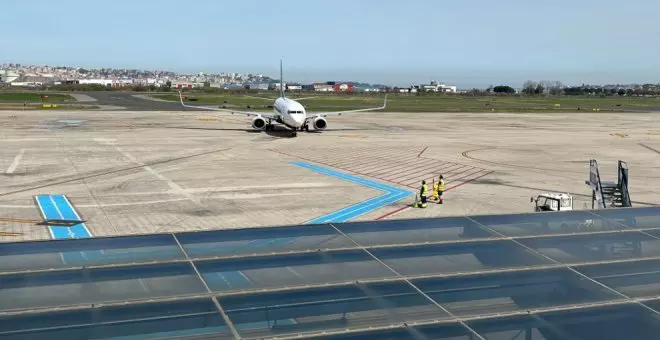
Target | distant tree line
(542,87)
(644,90)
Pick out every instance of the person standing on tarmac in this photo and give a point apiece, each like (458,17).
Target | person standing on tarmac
(434,195)
(441,188)
(423,193)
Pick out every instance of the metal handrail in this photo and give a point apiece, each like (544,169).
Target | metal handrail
(623,184)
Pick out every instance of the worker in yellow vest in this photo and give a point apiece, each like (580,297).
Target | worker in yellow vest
(423,192)
(434,197)
(441,188)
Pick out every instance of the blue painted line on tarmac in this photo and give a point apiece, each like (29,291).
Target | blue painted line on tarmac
(58,207)
(391,195)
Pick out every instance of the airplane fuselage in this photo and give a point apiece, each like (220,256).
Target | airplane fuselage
(290,111)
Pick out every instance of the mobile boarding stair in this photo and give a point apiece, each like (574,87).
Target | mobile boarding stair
(609,194)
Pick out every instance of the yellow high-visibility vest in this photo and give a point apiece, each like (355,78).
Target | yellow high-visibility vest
(425,190)
(441,185)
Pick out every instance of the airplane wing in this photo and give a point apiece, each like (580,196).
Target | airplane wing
(271,99)
(247,113)
(339,113)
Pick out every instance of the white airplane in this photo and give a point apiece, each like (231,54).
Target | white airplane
(288,112)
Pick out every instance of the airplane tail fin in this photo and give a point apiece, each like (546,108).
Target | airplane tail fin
(281,80)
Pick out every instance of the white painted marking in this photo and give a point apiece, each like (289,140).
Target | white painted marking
(84,225)
(17,160)
(175,187)
(56,208)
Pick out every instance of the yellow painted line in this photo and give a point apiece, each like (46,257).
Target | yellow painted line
(619,134)
(4,233)
(19,220)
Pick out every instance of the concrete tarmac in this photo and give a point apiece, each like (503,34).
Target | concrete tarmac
(134,171)
(134,102)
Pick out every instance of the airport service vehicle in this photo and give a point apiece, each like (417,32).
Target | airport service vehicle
(553,202)
(288,112)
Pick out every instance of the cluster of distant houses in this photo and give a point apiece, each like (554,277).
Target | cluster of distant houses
(329,86)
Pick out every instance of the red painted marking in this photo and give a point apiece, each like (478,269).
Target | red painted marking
(376,163)
(448,189)
(391,166)
(392,213)
(425,166)
(420,154)
(376,156)
(427,171)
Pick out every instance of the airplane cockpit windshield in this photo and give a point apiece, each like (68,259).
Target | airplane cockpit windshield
(295,112)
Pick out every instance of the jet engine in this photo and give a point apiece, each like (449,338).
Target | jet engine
(258,123)
(320,123)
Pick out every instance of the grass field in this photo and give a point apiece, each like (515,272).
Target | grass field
(436,103)
(20,97)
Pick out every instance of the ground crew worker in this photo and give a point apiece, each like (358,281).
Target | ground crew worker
(441,188)
(435,191)
(423,192)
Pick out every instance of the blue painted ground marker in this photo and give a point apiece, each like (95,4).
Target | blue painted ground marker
(58,207)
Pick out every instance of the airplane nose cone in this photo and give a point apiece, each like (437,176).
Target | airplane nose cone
(299,120)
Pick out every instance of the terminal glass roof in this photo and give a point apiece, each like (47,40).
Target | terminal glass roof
(554,275)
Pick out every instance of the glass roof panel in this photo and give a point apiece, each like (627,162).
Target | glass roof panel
(458,258)
(413,231)
(544,223)
(589,248)
(97,285)
(644,217)
(627,321)
(354,307)
(636,279)
(230,275)
(497,293)
(152,320)
(57,254)
(261,240)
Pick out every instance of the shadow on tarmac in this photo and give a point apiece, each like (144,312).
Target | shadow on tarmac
(279,131)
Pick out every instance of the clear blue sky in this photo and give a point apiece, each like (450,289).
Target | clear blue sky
(467,43)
